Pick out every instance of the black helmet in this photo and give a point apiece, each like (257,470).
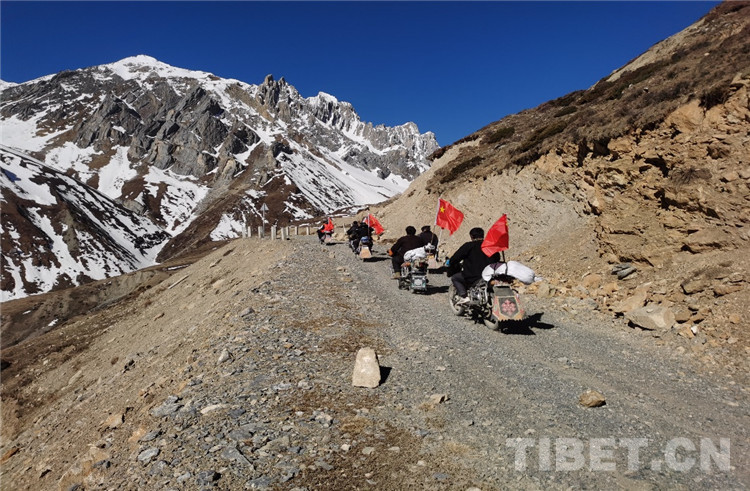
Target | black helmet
(476,233)
(410,230)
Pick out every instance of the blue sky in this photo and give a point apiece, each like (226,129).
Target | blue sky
(451,67)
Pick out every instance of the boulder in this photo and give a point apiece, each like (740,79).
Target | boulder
(706,240)
(682,315)
(637,300)
(366,369)
(592,281)
(592,398)
(623,270)
(694,286)
(652,317)
(724,289)
(687,118)
(544,290)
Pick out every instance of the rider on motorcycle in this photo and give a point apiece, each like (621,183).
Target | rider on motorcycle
(354,235)
(402,246)
(365,229)
(365,237)
(430,239)
(322,231)
(471,260)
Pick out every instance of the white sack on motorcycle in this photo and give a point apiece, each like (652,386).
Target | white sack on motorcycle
(418,253)
(522,273)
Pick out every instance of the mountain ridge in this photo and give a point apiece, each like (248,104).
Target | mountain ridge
(167,143)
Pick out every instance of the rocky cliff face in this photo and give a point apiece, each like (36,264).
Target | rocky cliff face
(188,150)
(647,169)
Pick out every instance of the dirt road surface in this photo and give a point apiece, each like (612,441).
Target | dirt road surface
(236,373)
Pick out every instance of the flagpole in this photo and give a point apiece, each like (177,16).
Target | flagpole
(440,239)
(437,212)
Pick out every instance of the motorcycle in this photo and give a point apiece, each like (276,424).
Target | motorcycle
(326,237)
(492,298)
(364,248)
(414,273)
(432,256)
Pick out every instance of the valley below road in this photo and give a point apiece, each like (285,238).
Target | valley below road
(235,373)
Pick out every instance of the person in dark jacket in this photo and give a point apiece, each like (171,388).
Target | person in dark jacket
(472,260)
(403,245)
(429,238)
(365,230)
(354,235)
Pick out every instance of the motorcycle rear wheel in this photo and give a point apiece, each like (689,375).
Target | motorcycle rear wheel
(452,298)
(491,323)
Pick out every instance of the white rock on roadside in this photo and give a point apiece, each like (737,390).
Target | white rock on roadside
(366,369)
(212,407)
(224,356)
(652,317)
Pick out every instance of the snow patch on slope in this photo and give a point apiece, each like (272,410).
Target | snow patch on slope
(181,196)
(116,173)
(228,228)
(22,134)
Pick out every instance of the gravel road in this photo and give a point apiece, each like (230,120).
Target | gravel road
(513,396)
(236,374)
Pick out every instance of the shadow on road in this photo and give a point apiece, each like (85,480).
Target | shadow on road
(524,327)
(432,290)
(376,259)
(384,372)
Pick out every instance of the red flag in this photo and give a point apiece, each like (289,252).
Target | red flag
(448,216)
(496,239)
(328,227)
(374,223)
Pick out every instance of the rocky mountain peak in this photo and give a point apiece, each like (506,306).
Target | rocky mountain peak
(143,67)
(198,155)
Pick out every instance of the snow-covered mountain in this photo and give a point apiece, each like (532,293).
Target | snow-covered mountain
(58,231)
(194,156)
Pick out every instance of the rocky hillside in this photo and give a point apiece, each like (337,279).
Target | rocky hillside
(195,155)
(646,172)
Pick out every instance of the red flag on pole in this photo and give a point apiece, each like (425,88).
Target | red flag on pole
(374,223)
(496,239)
(448,216)
(328,227)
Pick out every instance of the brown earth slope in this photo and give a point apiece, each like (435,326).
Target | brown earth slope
(649,167)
